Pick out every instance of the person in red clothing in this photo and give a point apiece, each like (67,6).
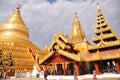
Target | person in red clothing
(94,74)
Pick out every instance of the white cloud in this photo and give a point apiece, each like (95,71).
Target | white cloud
(44,18)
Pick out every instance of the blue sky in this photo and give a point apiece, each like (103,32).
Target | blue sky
(44,18)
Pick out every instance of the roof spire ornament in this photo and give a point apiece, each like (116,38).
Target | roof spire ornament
(18,6)
(77,33)
(76,17)
(98,6)
(75,13)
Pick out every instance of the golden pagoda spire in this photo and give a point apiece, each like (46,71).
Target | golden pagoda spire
(103,29)
(14,26)
(77,34)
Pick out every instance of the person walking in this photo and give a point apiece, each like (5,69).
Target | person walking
(45,75)
(42,75)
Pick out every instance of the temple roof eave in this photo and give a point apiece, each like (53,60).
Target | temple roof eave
(46,57)
(69,55)
(61,52)
(106,45)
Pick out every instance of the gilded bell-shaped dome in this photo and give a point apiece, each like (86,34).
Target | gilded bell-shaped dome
(14,40)
(14,26)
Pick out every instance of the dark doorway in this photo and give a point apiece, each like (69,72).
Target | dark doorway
(70,69)
(59,69)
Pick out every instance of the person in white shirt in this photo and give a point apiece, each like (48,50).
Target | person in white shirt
(42,75)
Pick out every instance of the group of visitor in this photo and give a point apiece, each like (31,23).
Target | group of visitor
(4,75)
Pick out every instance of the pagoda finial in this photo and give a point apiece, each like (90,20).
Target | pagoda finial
(98,6)
(75,13)
(76,17)
(18,6)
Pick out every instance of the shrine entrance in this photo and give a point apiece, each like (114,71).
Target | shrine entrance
(70,69)
(59,70)
(108,66)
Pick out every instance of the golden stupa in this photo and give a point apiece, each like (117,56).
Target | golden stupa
(18,53)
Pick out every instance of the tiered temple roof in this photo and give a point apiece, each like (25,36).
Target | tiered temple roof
(107,44)
(106,37)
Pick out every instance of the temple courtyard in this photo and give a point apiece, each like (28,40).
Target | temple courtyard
(105,76)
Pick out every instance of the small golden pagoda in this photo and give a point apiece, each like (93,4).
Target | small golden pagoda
(14,41)
(77,33)
(78,38)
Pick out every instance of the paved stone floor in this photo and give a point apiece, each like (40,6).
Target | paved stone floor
(61,79)
(83,77)
(104,79)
